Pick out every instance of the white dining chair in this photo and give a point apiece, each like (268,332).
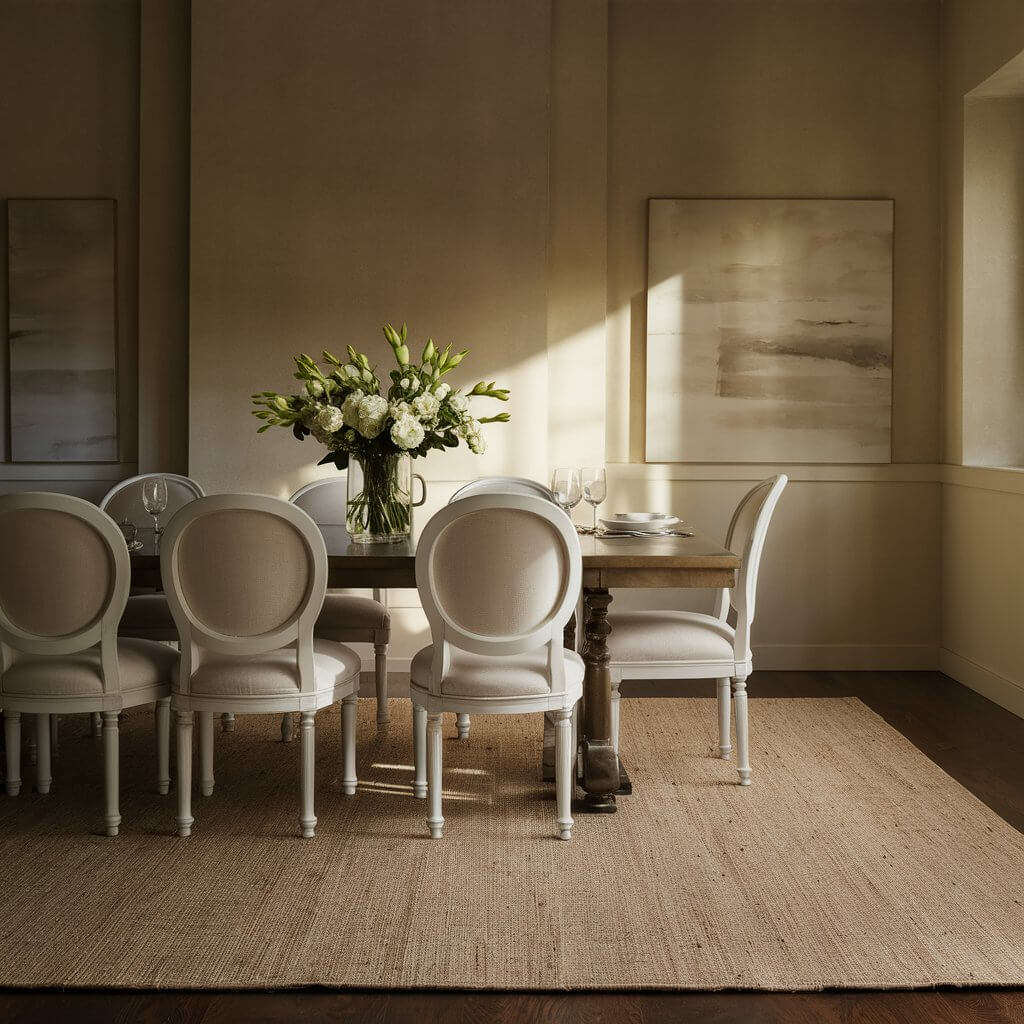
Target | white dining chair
(347,617)
(503,485)
(64,579)
(691,645)
(146,616)
(245,577)
(498,575)
(496,485)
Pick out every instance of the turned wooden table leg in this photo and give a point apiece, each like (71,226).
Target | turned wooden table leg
(600,763)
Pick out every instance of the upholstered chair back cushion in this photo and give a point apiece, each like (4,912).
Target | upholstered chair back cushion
(226,588)
(325,501)
(56,574)
(499,572)
(126,502)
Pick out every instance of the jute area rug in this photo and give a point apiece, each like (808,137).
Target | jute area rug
(853,861)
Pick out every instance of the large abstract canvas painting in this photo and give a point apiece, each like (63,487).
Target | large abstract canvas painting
(769,330)
(62,330)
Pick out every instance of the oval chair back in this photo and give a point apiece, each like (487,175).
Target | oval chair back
(324,501)
(745,537)
(503,485)
(499,574)
(124,499)
(64,578)
(245,574)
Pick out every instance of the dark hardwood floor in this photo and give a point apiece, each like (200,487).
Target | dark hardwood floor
(975,741)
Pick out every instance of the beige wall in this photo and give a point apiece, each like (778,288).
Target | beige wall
(355,163)
(827,99)
(983,510)
(489,184)
(69,125)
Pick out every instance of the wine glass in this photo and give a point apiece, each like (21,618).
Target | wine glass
(565,483)
(595,488)
(154,500)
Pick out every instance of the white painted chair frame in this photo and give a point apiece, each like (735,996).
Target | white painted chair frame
(298,630)
(496,485)
(103,632)
(126,627)
(503,485)
(380,638)
(185,482)
(731,675)
(429,704)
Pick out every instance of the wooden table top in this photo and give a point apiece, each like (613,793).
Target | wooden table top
(695,561)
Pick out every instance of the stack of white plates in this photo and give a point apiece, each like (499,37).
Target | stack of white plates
(640,522)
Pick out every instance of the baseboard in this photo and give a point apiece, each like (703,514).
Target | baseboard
(1007,693)
(848,657)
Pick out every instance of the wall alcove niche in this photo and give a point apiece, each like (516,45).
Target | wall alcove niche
(993,288)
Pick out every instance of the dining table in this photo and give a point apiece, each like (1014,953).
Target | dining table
(654,561)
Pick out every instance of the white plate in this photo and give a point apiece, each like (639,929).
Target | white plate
(643,522)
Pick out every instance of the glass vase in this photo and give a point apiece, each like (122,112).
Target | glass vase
(380,499)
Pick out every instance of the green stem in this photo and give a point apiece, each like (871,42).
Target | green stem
(383,506)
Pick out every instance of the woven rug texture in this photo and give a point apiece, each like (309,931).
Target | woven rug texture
(853,861)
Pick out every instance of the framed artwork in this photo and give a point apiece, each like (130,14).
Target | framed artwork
(62,330)
(769,330)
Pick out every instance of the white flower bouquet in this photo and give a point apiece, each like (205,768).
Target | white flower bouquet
(344,407)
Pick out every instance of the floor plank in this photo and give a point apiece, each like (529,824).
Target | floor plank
(974,740)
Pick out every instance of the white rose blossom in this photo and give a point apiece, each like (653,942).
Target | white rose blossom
(373,410)
(426,406)
(350,408)
(442,391)
(330,418)
(407,432)
(399,409)
(458,403)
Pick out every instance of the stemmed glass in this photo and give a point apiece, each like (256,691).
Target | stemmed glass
(595,488)
(154,500)
(565,483)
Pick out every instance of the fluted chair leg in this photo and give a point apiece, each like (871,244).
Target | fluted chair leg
(563,772)
(742,736)
(227,721)
(380,668)
(419,749)
(307,819)
(462,726)
(435,821)
(44,776)
(111,772)
(185,819)
(724,734)
(163,745)
(206,753)
(348,744)
(12,743)
(97,725)
(287,728)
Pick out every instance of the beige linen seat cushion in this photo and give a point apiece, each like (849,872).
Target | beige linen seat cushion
(481,675)
(669,636)
(274,673)
(349,611)
(142,663)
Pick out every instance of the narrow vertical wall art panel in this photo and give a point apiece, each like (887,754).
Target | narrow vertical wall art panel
(769,330)
(62,330)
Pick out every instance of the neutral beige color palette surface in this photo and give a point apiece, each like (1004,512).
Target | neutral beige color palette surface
(853,861)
